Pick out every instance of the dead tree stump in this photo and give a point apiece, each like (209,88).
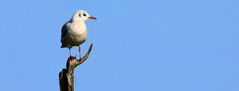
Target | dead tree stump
(66,76)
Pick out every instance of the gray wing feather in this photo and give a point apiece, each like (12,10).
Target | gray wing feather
(63,32)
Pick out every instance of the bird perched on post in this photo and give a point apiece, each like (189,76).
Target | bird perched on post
(74,32)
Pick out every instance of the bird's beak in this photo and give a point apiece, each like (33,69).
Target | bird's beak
(92,17)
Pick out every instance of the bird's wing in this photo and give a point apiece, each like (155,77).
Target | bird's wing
(63,31)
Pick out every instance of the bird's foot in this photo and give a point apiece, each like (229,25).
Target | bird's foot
(80,56)
(72,57)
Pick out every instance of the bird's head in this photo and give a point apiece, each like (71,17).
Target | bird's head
(82,15)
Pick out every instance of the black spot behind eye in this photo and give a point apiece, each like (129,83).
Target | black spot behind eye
(84,14)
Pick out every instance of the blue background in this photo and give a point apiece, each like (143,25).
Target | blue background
(139,45)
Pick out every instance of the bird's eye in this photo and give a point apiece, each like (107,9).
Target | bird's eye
(80,15)
(84,14)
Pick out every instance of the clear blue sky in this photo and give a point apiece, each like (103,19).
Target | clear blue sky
(139,45)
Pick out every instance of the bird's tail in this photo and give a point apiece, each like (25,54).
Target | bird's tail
(63,46)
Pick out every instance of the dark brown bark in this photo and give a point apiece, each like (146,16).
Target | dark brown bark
(66,76)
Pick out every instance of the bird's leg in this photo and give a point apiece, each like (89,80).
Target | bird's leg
(79,52)
(70,51)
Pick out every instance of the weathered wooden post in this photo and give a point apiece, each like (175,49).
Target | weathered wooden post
(66,76)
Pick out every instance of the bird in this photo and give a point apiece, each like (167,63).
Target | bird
(74,31)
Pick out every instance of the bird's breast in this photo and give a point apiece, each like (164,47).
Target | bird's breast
(78,28)
(78,32)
